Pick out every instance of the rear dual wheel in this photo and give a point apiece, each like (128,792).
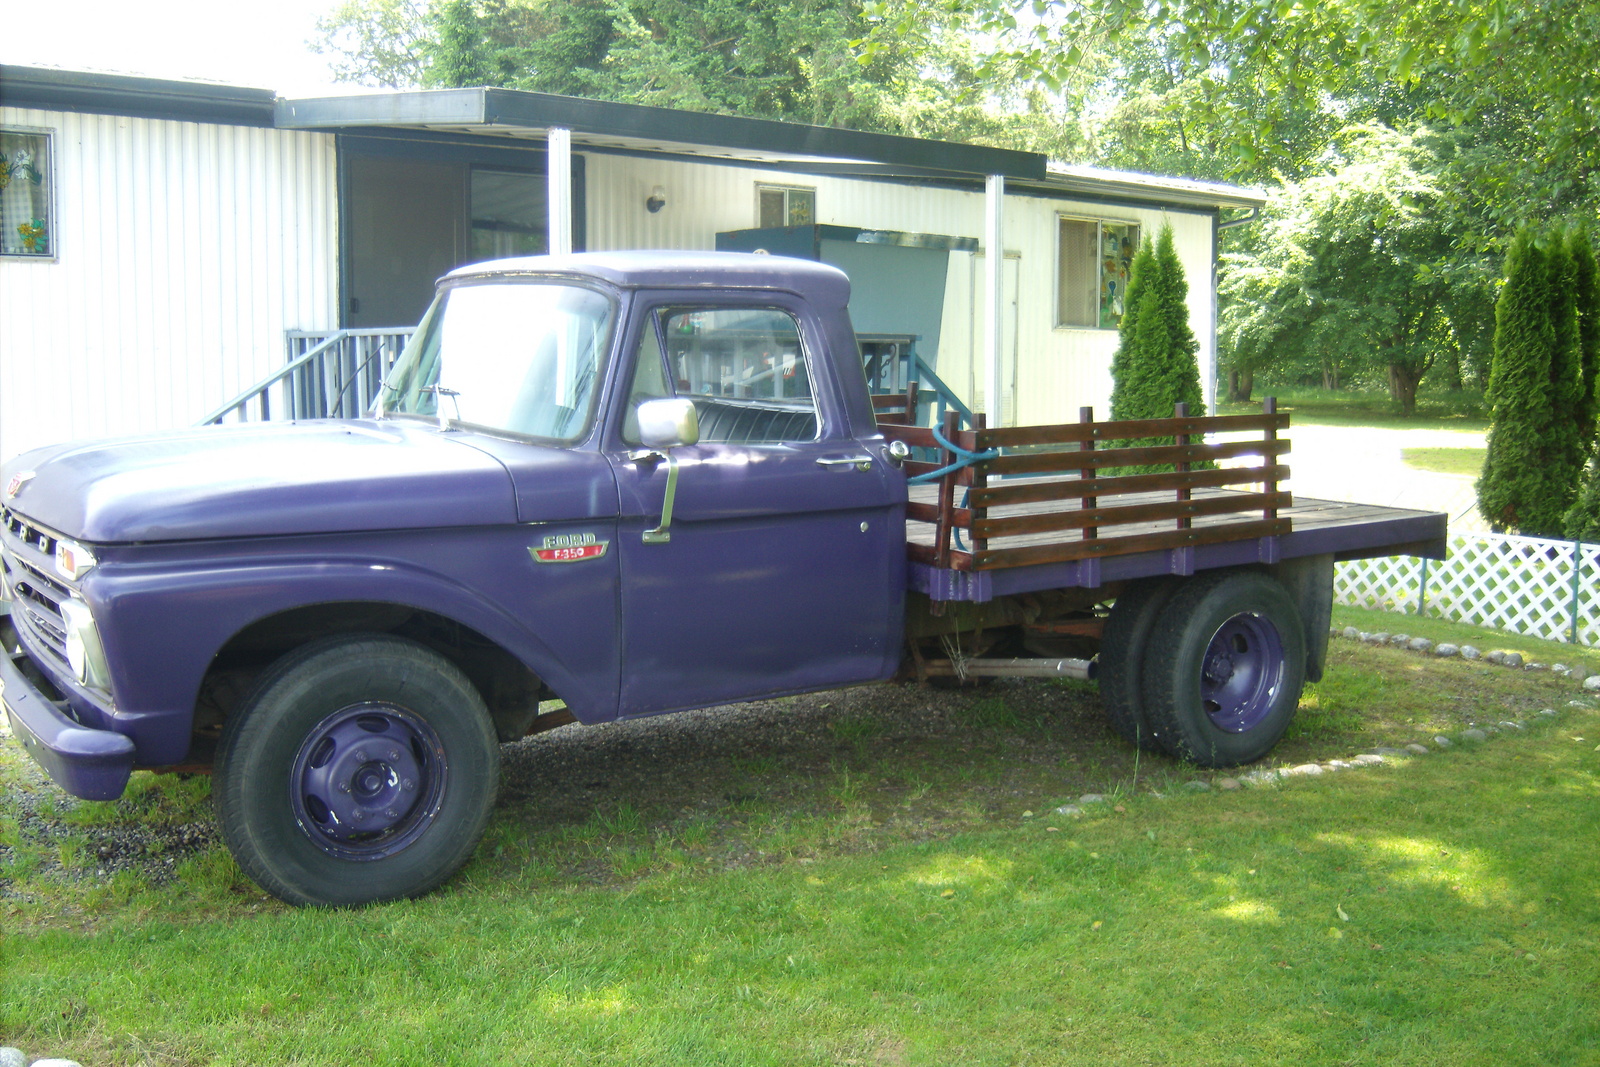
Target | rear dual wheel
(1224,663)
(362,768)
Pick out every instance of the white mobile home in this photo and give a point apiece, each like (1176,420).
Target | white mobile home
(163,240)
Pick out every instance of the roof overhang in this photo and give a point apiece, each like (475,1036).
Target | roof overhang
(1096,183)
(48,89)
(602,124)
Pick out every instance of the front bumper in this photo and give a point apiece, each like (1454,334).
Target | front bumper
(87,763)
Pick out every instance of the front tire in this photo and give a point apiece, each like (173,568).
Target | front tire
(362,768)
(1223,669)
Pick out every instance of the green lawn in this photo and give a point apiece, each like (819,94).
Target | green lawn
(1467,461)
(1322,407)
(1442,909)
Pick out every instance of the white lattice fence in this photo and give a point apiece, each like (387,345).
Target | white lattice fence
(1524,585)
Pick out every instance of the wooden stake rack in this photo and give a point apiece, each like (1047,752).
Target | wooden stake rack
(1045,499)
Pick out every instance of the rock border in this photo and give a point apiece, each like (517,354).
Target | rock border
(1445,650)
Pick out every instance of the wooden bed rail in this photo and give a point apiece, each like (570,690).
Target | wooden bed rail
(1046,494)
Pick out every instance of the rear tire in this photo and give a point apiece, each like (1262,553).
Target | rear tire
(1122,653)
(362,768)
(1222,679)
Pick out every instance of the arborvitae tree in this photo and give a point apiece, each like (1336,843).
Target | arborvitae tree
(1524,487)
(1586,297)
(1583,521)
(1181,374)
(1129,373)
(1155,365)
(1570,435)
(457,53)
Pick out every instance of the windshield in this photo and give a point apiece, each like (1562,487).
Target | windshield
(515,356)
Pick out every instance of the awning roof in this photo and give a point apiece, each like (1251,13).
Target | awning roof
(634,127)
(509,114)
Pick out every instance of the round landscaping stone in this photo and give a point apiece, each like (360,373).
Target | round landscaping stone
(1338,765)
(1400,640)
(56,1063)
(12,1057)
(1374,639)
(1367,759)
(1513,659)
(1419,644)
(1446,650)
(1416,749)
(1305,770)
(1069,809)
(1592,682)
(1197,786)
(1470,652)
(1494,656)
(1352,633)
(1533,666)
(1443,742)
(1092,798)
(1229,784)
(1473,735)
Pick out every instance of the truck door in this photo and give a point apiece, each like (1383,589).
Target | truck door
(783,566)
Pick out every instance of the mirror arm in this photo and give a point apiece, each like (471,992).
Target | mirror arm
(662,534)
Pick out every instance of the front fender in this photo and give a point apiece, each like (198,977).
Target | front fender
(163,624)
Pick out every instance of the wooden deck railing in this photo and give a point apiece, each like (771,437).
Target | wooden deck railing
(1045,496)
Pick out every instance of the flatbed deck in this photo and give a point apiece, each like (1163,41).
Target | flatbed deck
(1313,527)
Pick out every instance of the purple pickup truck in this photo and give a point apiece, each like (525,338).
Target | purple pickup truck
(612,485)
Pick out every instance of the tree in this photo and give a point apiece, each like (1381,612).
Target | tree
(1154,367)
(1583,521)
(375,42)
(1530,473)
(457,49)
(1358,269)
(1586,300)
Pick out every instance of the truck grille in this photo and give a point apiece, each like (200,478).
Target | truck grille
(27,565)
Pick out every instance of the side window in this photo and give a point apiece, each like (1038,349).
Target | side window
(745,368)
(27,215)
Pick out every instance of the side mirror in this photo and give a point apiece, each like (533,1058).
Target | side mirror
(665,424)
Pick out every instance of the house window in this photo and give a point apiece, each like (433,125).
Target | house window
(27,218)
(1094,260)
(782,205)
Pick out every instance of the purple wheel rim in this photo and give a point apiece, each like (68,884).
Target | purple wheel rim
(1242,673)
(367,781)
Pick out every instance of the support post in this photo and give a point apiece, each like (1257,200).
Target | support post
(994,301)
(558,182)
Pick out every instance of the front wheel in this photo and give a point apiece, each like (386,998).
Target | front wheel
(362,768)
(1223,668)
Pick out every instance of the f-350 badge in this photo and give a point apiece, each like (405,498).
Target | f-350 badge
(569,548)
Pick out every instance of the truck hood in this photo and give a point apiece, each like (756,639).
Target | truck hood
(260,480)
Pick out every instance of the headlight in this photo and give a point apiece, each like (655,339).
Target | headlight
(84,651)
(73,561)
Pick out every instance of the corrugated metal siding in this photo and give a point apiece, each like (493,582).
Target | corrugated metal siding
(185,251)
(1056,370)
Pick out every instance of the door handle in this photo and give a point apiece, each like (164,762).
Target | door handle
(860,463)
